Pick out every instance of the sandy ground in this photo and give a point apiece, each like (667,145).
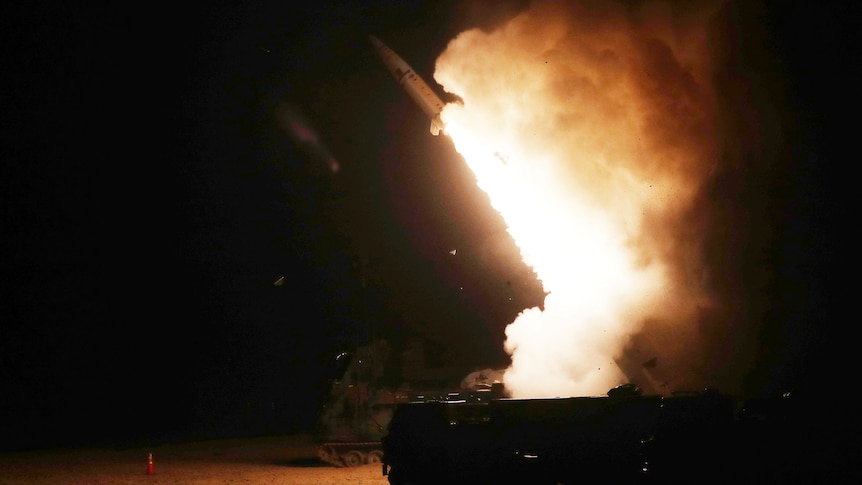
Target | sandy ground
(288,460)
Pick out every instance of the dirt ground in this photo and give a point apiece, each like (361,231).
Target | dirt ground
(288,460)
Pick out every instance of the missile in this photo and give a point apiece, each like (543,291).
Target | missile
(430,104)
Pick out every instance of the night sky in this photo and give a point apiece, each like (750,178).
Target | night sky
(151,197)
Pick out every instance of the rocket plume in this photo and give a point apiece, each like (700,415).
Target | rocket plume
(589,127)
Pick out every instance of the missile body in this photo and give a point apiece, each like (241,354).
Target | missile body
(430,104)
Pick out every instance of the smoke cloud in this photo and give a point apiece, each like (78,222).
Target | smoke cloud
(599,131)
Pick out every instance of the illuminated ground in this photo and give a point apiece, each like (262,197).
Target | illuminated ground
(287,460)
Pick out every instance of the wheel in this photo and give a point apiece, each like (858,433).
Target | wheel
(327,454)
(354,458)
(375,456)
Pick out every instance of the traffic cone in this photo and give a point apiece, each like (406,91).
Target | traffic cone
(150,470)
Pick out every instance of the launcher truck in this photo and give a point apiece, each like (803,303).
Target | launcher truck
(623,437)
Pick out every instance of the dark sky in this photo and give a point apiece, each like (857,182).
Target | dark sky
(150,199)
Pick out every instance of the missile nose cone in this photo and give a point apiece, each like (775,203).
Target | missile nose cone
(379,47)
(376,42)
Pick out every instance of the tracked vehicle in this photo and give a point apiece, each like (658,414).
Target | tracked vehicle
(371,382)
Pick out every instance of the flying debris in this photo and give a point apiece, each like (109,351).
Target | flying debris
(421,93)
(279,281)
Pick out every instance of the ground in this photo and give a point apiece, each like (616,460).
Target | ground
(287,460)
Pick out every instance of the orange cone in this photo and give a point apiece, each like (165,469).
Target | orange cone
(150,470)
